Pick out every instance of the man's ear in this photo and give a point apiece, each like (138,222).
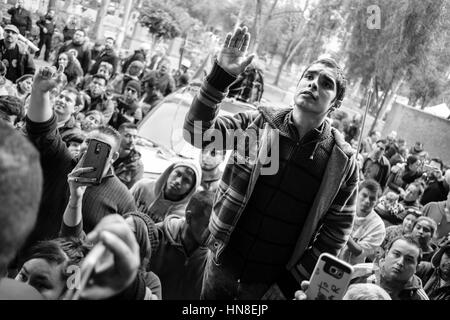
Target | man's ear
(115,156)
(77,108)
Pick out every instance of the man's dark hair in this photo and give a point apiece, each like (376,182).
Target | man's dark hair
(370,185)
(78,97)
(127,125)
(110,131)
(409,239)
(412,159)
(11,106)
(438,161)
(70,251)
(341,82)
(111,38)
(383,141)
(20,190)
(100,76)
(201,204)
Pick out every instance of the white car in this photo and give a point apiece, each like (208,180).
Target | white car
(160,134)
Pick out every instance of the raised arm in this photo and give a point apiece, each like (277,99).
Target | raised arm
(231,62)
(40,109)
(72,225)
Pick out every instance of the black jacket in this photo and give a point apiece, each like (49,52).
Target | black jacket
(19,61)
(21,18)
(83,54)
(106,56)
(46,22)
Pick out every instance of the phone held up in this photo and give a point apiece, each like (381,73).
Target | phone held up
(95,157)
(330,279)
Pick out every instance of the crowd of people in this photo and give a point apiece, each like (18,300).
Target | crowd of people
(197,232)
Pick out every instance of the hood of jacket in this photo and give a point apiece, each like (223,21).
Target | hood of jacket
(162,180)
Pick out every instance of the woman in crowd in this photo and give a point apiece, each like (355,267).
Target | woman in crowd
(424,230)
(72,68)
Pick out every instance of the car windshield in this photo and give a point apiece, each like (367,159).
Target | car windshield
(164,126)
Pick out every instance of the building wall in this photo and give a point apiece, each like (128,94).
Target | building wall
(416,125)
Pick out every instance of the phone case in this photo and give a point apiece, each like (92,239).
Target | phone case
(330,279)
(96,156)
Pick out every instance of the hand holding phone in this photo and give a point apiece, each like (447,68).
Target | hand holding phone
(96,157)
(330,279)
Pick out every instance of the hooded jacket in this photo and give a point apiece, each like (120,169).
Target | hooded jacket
(413,290)
(149,195)
(181,273)
(329,221)
(430,274)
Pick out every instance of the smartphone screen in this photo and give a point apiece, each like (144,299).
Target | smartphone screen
(330,279)
(95,157)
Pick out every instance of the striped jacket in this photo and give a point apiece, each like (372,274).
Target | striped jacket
(329,222)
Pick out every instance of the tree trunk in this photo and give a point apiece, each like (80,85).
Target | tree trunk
(126,19)
(240,16)
(51,5)
(280,69)
(99,20)
(67,5)
(257,25)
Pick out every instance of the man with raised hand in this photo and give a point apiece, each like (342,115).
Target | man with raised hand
(284,198)
(110,197)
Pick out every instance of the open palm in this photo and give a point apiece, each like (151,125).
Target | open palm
(233,56)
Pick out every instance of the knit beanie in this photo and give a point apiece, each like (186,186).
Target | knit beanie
(151,227)
(134,85)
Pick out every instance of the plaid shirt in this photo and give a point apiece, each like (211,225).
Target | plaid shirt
(330,220)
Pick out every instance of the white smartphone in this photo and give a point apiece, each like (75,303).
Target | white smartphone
(330,278)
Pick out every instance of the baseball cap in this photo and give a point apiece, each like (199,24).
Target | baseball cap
(12,28)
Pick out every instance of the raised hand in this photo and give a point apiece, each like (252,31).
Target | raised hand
(79,184)
(48,78)
(233,56)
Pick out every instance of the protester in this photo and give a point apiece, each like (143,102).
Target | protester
(66,106)
(128,108)
(388,208)
(180,258)
(310,151)
(14,55)
(105,70)
(21,184)
(70,28)
(24,86)
(152,96)
(128,167)
(182,77)
(21,18)
(6,87)
(249,86)
(97,49)
(404,174)
(395,231)
(11,110)
(424,230)
(47,27)
(170,193)
(376,166)
(107,55)
(396,271)
(437,188)
(79,48)
(368,229)
(440,213)
(72,68)
(47,265)
(97,98)
(161,78)
(109,197)
(93,120)
(435,275)
(133,72)
(138,55)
